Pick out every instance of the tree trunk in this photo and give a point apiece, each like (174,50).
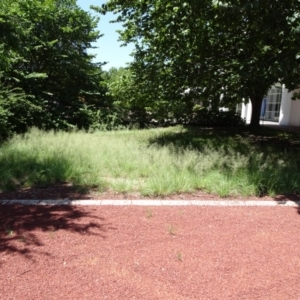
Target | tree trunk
(215,103)
(256,102)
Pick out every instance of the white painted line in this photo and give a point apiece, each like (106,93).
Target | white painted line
(3,202)
(146,202)
(244,203)
(87,202)
(117,202)
(23,202)
(175,202)
(55,202)
(156,202)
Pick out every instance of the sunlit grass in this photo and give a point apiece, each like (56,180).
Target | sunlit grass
(150,162)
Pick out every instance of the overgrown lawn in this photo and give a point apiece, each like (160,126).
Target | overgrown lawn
(156,161)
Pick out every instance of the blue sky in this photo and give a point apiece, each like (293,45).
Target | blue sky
(109,49)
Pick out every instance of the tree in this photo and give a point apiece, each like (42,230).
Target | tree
(133,99)
(129,101)
(236,48)
(44,46)
(16,108)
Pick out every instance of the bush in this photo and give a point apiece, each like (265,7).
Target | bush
(206,117)
(17,111)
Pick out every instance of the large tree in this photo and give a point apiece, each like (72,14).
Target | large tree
(44,54)
(237,48)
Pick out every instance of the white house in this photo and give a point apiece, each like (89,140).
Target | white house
(277,107)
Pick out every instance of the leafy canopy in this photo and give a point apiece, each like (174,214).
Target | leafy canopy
(44,57)
(237,48)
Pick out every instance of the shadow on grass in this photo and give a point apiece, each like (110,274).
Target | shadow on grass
(273,161)
(229,137)
(59,191)
(54,174)
(20,226)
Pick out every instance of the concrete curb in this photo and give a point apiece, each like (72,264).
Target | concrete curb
(108,202)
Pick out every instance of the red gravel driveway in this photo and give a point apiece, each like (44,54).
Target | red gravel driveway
(64,252)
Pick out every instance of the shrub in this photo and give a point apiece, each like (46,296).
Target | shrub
(207,117)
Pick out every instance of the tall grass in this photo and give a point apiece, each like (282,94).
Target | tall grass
(150,162)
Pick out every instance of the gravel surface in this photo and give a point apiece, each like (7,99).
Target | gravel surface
(71,252)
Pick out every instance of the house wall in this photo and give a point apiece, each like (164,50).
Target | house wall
(285,108)
(246,112)
(295,113)
(289,110)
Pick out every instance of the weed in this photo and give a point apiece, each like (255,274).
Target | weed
(179,256)
(149,213)
(51,232)
(22,239)
(171,230)
(9,232)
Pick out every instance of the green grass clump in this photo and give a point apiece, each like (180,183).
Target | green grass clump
(155,161)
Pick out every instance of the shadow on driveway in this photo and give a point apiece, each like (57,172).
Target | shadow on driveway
(19,225)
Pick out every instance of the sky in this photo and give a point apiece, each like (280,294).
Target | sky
(109,49)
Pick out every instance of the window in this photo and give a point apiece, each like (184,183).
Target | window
(239,108)
(271,106)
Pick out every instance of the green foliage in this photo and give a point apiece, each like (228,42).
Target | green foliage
(236,48)
(206,117)
(43,56)
(136,105)
(132,105)
(17,111)
(128,100)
